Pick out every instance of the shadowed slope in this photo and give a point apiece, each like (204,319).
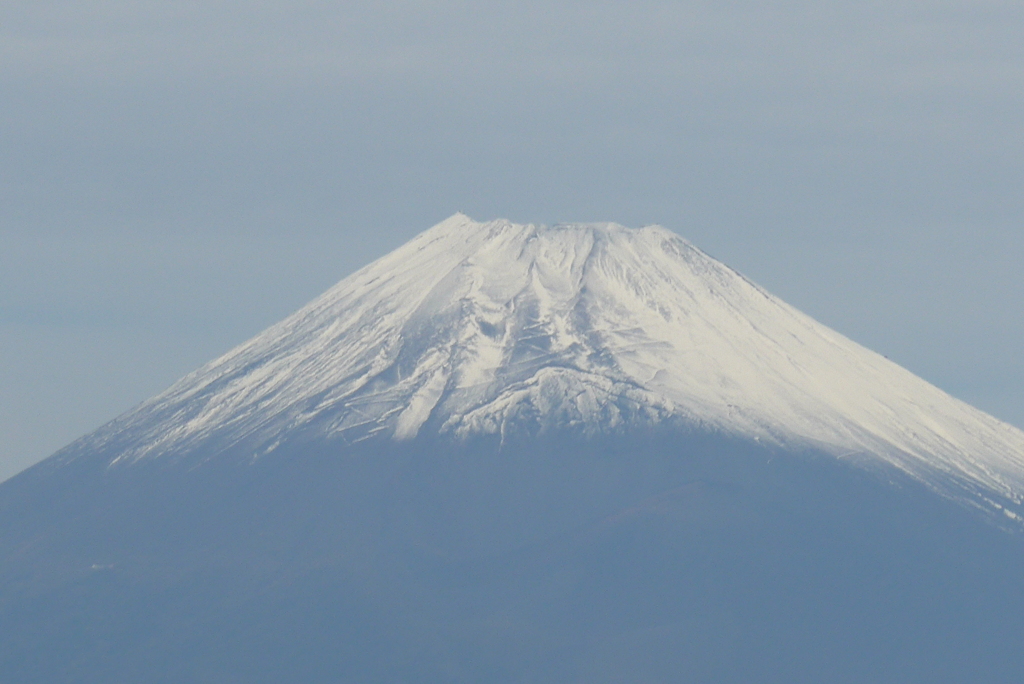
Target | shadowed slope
(685,558)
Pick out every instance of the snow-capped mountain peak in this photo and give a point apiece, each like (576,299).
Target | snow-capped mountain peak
(496,328)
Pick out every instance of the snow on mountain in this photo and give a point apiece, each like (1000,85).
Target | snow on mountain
(497,328)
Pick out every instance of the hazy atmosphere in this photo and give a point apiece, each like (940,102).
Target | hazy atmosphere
(176,176)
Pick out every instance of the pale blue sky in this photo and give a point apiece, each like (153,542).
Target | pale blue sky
(175,176)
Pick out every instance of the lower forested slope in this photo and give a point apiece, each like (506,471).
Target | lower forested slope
(679,557)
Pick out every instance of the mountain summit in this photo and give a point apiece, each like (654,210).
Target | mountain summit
(505,454)
(497,328)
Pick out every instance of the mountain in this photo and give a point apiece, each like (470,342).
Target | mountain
(509,453)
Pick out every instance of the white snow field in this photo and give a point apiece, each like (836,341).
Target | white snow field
(498,328)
